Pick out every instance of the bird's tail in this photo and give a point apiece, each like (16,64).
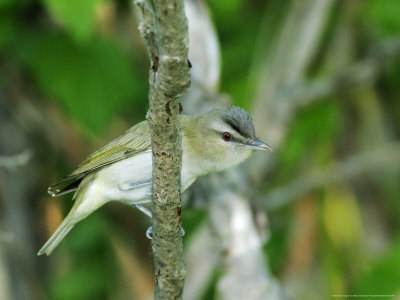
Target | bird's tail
(74,216)
(57,237)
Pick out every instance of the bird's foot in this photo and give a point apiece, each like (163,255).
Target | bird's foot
(149,232)
(144,210)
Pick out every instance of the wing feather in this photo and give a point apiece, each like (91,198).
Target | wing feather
(135,140)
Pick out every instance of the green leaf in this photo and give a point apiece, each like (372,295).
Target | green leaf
(227,7)
(191,220)
(92,82)
(78,17)
(342,218)
(383,15)
(86,281)
(317,125)
(382,277)
(5,3)
(7,26)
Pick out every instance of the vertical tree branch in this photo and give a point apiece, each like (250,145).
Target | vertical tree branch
(166,34)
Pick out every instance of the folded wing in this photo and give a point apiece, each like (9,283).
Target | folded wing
(135,140)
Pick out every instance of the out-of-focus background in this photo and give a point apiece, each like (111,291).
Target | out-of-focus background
(321,79)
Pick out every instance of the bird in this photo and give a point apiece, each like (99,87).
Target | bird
(122,170)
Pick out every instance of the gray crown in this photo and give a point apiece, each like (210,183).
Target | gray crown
(239,120)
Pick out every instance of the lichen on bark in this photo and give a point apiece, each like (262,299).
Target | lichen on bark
(164,28)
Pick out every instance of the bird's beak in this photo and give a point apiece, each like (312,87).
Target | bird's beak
(257,144)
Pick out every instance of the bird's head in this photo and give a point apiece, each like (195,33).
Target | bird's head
(224,137)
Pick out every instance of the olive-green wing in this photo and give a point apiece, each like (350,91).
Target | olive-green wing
(135,140)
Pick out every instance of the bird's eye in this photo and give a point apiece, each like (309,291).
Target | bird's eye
(227,136)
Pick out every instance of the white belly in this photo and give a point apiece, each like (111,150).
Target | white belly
(128,180)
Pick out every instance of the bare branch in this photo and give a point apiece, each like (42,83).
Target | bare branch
(13,161)
(204,48)
(285,67)
(361,72)
(246,273)
(201,260)
(352,167)
(166,34)
(234,247)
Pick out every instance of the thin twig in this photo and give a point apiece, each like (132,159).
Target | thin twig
(350,168)
(360,72)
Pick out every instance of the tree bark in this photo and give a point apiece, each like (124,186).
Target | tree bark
(165,29)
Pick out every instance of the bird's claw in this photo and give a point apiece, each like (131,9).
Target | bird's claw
(149,232)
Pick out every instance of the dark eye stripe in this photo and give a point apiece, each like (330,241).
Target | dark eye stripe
(235,127)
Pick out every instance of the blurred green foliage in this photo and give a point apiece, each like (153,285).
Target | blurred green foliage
(90,73)
(87,271)
(92,82)
(77,17)
(237,43)
(306,138)
(383,16)
(383,274)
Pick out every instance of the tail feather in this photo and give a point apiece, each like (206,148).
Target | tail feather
(56,238)
(75,215)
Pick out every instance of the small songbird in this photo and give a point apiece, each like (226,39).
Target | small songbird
(122,170)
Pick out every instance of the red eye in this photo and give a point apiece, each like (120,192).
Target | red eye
(227,136)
